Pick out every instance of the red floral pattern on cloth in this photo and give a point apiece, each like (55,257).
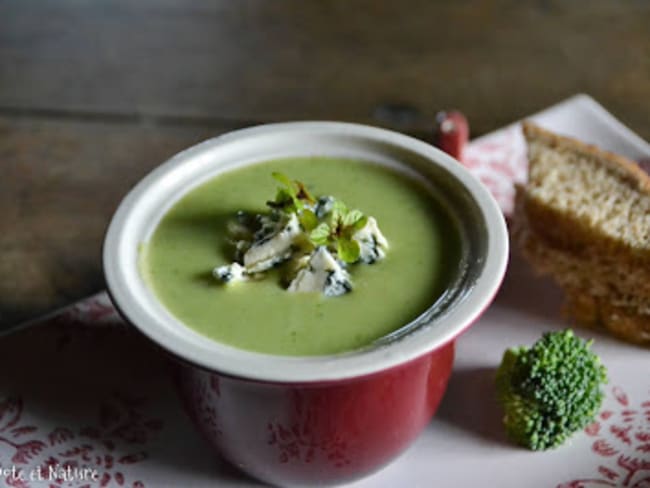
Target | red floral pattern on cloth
(67,416)
(97,310)
(499,161)
(621,445)
(78,455)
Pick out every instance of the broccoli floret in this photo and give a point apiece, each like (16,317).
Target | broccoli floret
(549,390)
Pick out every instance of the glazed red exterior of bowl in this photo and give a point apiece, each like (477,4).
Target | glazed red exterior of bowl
(316,434)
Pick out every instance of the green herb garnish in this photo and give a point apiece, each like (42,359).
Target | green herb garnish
(308,220)
(337,232)
(292,196)
(309,239)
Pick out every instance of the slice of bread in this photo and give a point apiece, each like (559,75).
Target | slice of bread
(623,321)
(601,275)
(584,199)
(584,218)
(593,298)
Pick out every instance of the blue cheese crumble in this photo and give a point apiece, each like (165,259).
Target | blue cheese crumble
(322,273)
(312,242)
(372,243)
(230,273)
(323,206)
(272,247)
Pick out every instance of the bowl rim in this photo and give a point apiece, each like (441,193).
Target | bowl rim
(135,301)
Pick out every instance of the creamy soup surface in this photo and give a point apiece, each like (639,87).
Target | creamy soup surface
(262,316)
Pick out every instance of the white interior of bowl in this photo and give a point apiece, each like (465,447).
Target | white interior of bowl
(141,210)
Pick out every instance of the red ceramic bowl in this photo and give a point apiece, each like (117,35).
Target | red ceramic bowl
(325,419)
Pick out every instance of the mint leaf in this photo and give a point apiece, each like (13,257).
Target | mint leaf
(320,235)
(308,220)
(283,196)
(359,224)
(348,250)
(352,217)
(292,196)
(338,210)
(283,201)
(286,181)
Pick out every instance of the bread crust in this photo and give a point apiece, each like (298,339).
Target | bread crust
(623,322)
(628,170)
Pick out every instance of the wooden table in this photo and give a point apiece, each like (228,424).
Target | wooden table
(95,94)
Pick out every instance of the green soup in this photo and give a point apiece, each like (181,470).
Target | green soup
(262,316)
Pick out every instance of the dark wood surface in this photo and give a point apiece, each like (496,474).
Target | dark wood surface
(95,94)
